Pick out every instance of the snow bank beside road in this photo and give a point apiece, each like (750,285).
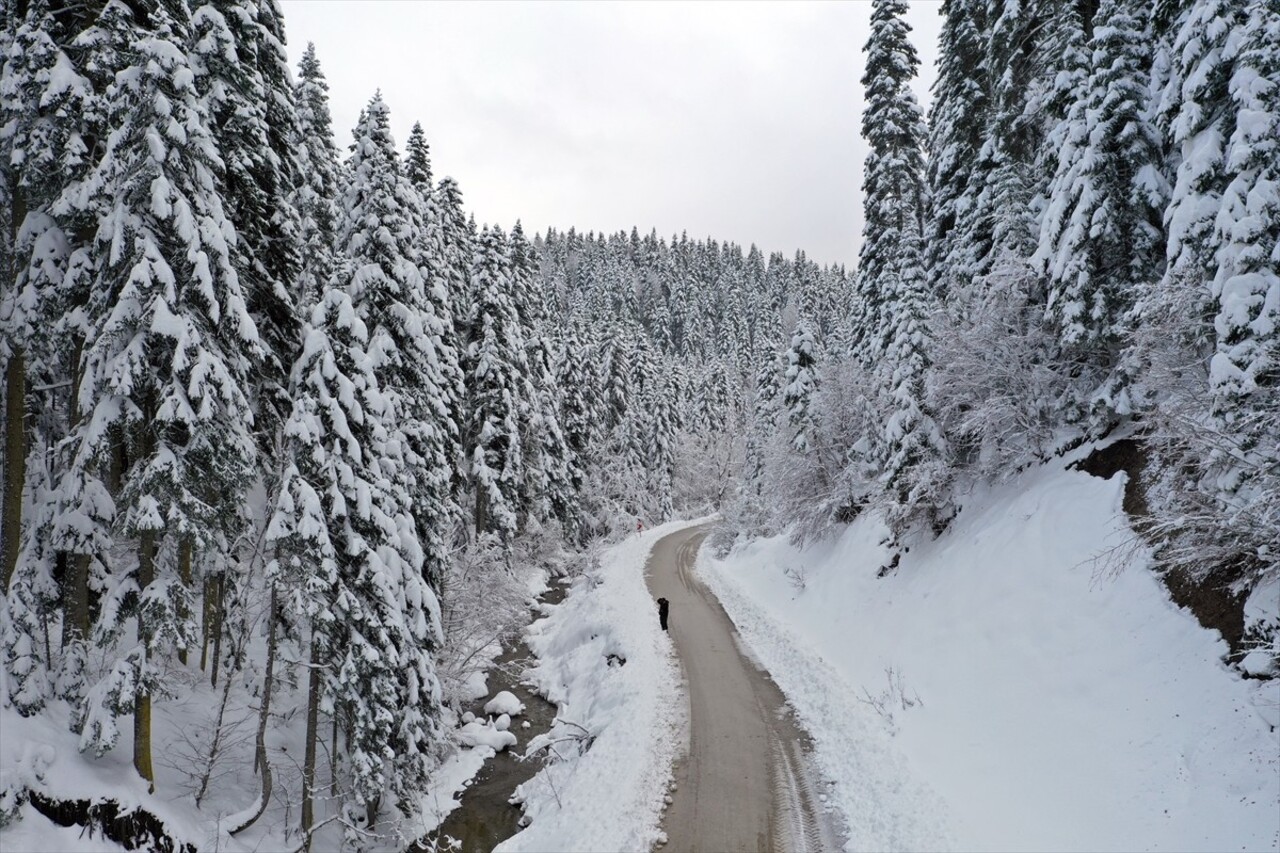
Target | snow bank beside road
(1051,704)
(614,675)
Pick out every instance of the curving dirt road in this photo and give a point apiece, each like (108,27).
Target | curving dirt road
(745,782)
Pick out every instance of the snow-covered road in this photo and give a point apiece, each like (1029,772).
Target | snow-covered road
(745,782)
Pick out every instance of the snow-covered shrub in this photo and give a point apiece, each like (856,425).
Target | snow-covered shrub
(995,385)
(482,605)
(1215,495)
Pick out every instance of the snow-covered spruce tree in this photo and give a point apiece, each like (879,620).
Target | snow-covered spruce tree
(454,276)
(349,562)
(891,276)
(29,56)
(434,265)
(237,54)
(763,424)
(712,441)
(800,383)
(1001,184)
(167,365)
(316,193)
(664,423)
(1100,238)
(497,372)
(915,455)
(991,321)
(547,489)
(47,107)
(381,681)
(1210,346)
(893,181)
(1196,116)
(1244,372)
(576,385)
(956,125)
(417,162)
(379,234)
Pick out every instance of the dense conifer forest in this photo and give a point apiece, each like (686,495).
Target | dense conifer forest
(283,422)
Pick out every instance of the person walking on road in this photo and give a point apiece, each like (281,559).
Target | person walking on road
(663,607)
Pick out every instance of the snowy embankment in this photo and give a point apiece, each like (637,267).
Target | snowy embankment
(1025,665)
(614,675)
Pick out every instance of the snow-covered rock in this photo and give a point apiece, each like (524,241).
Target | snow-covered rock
(504,703)
(477,733)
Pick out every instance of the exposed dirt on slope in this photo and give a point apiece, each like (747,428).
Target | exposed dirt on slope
(1210,600)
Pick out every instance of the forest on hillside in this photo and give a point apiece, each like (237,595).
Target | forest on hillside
(282,423)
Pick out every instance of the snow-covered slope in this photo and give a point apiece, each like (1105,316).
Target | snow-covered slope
(1031,673)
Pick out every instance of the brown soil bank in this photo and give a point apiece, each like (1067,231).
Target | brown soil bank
(1210,600)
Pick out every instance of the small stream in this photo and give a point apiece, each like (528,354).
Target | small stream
(485,818)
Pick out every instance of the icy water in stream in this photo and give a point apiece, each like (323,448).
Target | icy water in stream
(486,817)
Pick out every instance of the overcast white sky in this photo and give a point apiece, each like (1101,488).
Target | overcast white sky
(733,120)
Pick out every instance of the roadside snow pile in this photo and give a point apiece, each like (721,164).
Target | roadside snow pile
(618,728)
(504,702)
(1029,668)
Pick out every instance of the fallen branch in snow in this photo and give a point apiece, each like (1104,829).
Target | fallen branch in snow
(894,694)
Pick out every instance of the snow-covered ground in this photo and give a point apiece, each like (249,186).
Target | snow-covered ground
(614,675)
(41,753)
(1021,683)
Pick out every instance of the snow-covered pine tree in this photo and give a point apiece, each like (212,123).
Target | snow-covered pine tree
(316,193)
(893,180)
(1100,240)
(581,430)
(892,276)
(1244,371)
(380,234)
(956,127)
(800,383)
(237,54)
(417,162)
(497,374)
(169,360)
